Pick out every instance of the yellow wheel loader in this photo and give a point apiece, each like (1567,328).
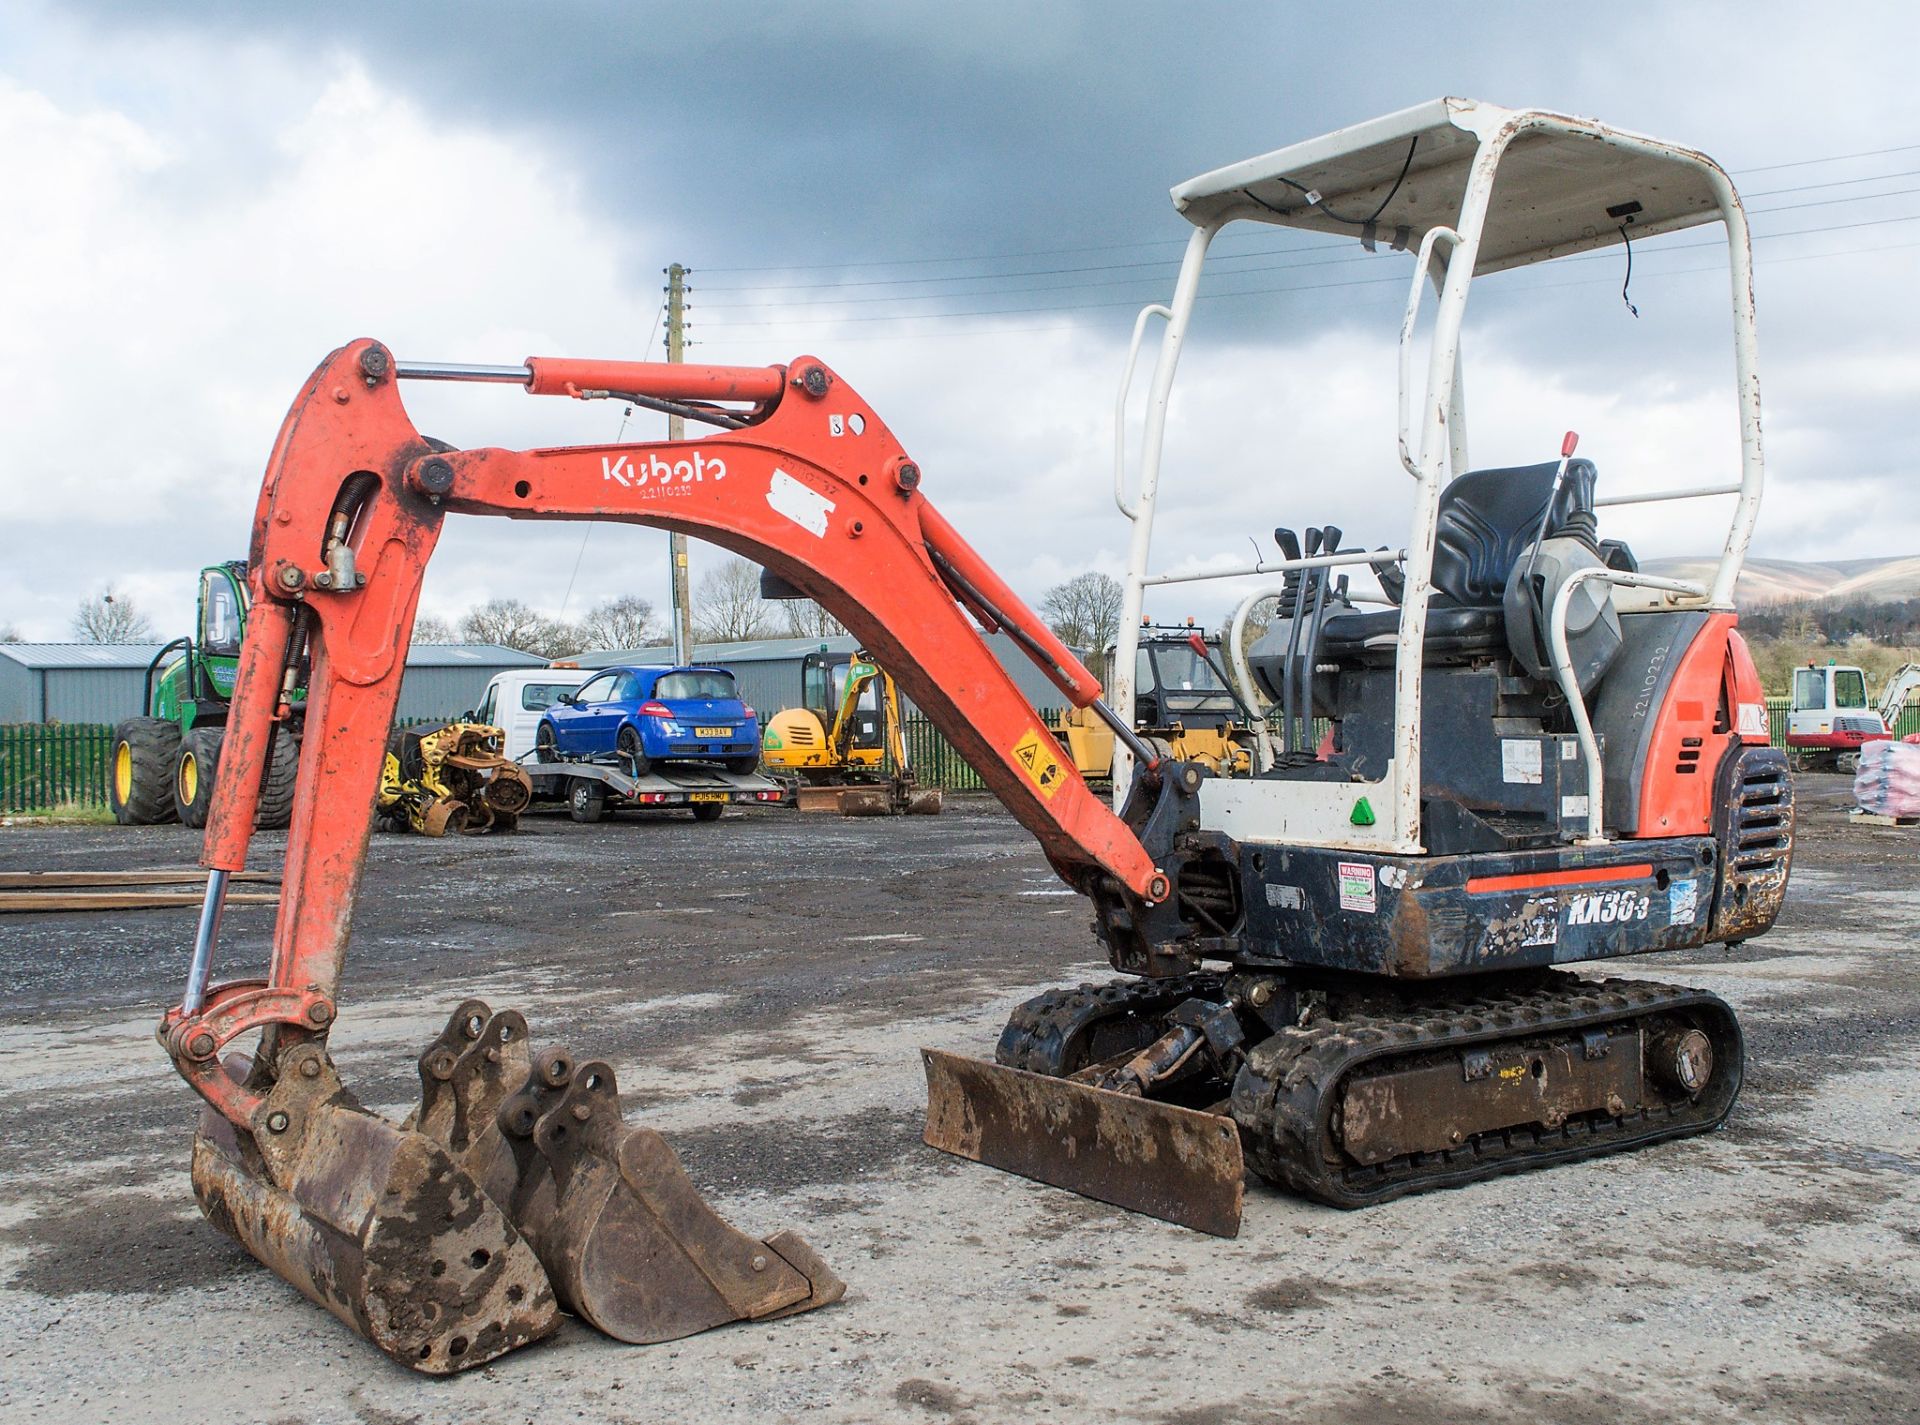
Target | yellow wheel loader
(838,758)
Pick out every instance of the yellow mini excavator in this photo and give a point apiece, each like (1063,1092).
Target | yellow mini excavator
(838,757)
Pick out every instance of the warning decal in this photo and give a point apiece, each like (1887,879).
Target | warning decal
(1034,754)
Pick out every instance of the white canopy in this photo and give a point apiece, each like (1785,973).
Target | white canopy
(1564,184)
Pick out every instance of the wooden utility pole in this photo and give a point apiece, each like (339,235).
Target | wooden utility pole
(682,611)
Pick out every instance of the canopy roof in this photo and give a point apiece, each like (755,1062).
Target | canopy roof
(1558,190)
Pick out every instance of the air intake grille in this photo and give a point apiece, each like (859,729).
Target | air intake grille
(1761,830)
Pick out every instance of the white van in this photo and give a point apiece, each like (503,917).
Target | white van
(515,700)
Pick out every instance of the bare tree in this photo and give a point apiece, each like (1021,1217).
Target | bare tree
(429,629)
(625,622)
(9,633)
(1085,611)
(111,618)
(517,625)
(806,619)
(727,605)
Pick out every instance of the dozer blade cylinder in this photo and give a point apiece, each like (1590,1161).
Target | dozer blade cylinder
(1178,1164)
(375,1223)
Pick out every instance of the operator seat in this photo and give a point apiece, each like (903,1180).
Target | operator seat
(1486,519)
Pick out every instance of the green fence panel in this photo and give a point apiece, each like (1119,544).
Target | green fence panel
(44,765)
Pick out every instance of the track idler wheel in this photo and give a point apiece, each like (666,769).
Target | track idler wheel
(377,1224)
(626,1238)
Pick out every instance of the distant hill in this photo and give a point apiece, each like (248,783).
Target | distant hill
(1773,581)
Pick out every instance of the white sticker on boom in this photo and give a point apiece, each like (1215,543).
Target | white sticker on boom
(1753,719)
(1356,886)
(800,503)
(1520,760)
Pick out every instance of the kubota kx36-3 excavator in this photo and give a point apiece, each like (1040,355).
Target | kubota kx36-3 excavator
(1342,965)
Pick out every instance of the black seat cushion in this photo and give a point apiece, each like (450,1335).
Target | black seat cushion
(1451,631)
(1486,518)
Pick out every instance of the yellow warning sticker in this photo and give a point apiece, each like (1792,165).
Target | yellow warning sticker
(1035,755)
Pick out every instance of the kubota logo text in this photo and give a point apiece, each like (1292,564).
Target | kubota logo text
(652,469)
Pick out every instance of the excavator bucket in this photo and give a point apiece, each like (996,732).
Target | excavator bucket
(375,1223)
(636,1250)
(626,1238)
(1178,1164)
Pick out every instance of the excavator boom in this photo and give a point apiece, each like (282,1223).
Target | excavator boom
(806,480)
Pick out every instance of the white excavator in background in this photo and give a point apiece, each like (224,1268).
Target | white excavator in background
(1831,717)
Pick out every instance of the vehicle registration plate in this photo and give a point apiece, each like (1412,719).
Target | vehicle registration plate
(706,796)
(713,732)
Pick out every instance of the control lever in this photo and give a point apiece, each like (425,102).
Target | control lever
(1310,659)
(1290,590)
(1297,691)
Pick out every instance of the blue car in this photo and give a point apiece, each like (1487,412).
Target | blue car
(651,715)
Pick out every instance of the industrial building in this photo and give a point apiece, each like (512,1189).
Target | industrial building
(105,682)
(768,669)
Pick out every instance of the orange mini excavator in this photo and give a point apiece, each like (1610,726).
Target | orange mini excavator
(1343,963)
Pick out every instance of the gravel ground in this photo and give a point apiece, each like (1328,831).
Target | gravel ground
(762,983)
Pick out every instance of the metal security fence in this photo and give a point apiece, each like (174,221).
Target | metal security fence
(935,762)
(44,765)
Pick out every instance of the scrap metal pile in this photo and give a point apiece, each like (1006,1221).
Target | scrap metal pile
(451,779)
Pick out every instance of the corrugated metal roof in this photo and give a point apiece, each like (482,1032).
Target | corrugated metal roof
(139,655)
(754,650)
(81,655)
(470,655)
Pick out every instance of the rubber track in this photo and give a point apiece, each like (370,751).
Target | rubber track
(1041,1033)
(1284,1095)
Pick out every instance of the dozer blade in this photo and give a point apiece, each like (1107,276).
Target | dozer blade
(925,801)
(375,1223)
(1178,1164)
(846,801)
(625,1236)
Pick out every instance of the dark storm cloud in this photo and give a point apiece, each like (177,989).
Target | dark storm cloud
(863,131)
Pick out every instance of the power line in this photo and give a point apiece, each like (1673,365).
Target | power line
(1163,266)
(1399,277)
(1176,242)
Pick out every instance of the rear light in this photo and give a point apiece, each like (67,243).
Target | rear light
(746,711)
(769,796)
(655,710)
(653,799)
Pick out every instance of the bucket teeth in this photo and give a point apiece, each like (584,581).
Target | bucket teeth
(626,1238)
(375,1223)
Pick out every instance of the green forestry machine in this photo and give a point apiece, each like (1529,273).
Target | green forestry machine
(164,763)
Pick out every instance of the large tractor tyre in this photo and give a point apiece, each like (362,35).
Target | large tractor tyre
(743,764)
(276,796)
(195,766)
(630,748)
(586,800)
(140,776)
(709,811)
